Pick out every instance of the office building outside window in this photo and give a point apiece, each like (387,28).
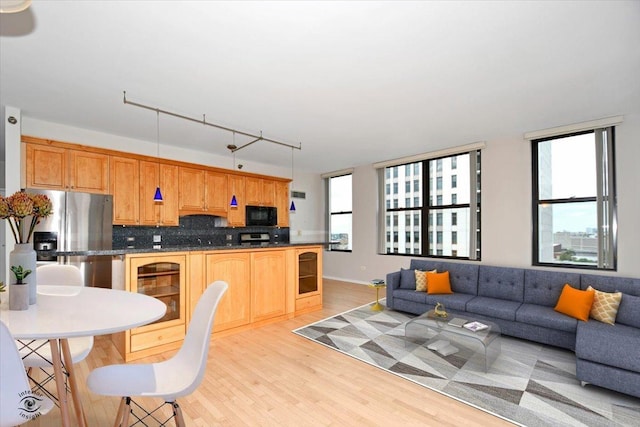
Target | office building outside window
(447,210)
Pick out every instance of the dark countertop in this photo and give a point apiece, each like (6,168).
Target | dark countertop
(185,248)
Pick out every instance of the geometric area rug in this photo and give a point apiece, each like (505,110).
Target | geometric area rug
(529,384)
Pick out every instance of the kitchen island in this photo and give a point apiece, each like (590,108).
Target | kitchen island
(267,283)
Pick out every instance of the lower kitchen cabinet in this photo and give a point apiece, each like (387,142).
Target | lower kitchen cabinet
(235,307)
(162,277)
(265,285)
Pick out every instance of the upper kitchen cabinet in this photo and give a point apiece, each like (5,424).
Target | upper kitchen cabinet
(125,188)
(152,175)
(56,168)
(282,203)
(202,192)
(236,188)
(260,192)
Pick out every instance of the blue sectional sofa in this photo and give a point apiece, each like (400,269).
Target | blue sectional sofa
(521,301)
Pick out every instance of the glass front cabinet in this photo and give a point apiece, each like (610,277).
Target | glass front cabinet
(308,279)
(164,278)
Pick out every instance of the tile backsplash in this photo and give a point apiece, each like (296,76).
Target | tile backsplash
(194,230)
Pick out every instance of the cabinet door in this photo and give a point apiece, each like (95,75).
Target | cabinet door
(46,167)
(191,190)
(308,279)
(149,180)
(269,290)
(169,178)
(216,193)
(259,192)
(88,172)
(164,278)
(235,269)
(282,203)
(236,215)
(125,187)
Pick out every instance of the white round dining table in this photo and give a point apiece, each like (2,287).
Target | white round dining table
(63,312)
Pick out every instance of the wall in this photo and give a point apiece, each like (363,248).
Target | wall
(506,211)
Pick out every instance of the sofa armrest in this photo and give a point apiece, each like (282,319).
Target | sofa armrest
(393,282)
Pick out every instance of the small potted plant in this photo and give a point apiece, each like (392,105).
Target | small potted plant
(19,291)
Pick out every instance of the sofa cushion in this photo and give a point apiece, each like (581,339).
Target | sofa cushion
(615,345)
(544,287)
(455,301)
(625,285)
(493,307)
(546,317)
(629,311)
(463,277)
(575,303)
(501,283)
(407,279)
(438,283)
(605,306)
(411,295)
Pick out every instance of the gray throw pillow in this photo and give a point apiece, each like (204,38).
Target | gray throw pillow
(629,311)
(407,279)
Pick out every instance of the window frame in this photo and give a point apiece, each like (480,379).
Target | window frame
(330,214)
(605,199)
(426,243)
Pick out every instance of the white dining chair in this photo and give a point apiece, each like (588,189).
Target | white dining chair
(17,403)
(37,353)
(173,378)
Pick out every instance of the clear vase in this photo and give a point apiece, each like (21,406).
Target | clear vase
(23,254)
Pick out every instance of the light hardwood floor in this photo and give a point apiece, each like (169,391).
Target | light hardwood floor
(272,377)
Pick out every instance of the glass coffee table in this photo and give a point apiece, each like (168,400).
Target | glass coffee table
(438,330)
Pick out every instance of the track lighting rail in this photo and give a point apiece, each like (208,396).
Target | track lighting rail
(206,123)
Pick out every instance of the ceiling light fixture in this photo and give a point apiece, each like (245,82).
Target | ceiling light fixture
(292,208)
(14,6)
(158,196)
(204,122)
(233,147)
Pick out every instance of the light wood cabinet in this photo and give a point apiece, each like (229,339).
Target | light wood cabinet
(162,277)
(235,307)
(125,188)
(308,275)
(202,192)
(163,213)
(55,168)
(260,192)
(282,202)
(88,172)
(268,294)
(236,215)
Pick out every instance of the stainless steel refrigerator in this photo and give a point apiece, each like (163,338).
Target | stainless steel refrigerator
(80,222)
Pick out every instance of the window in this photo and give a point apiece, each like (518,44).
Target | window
(340,212)
(444,224)
(574,200)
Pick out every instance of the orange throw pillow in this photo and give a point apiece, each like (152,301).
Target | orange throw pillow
(438,283)
(575,303)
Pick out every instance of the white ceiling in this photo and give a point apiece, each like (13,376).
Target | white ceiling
(354,82)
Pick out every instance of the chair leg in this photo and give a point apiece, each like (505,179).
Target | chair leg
(123,409)
(177,415)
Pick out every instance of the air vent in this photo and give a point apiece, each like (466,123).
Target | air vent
(298,194)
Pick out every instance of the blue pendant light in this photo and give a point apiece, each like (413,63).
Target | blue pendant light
(158,196)
(292,208)
(234,202)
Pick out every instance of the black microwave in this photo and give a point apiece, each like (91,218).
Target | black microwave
(261,216)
